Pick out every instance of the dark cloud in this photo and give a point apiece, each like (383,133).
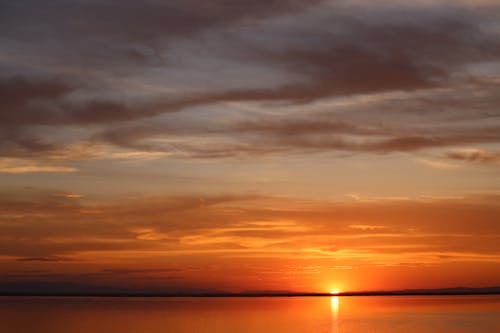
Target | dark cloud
(105,33)
(298,134)
(141,271)
(137,20)
(36,101)
(341,55)
(17,92)
(23,102)
(42,259)
(327,51)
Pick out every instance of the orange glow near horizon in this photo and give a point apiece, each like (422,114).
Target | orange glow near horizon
(309,246)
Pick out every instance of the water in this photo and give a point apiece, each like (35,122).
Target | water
(408,314)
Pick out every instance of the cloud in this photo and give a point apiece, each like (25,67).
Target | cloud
(20,166)
(40,259)
(141,271)
(238,237)
(293,134)
(67,195)
(140,20)
(437,164)
(17,92)
(239,224)
(365,227)
(311,52)
(342,54)
(475,156)
(142,81)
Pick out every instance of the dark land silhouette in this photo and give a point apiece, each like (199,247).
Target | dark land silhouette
(82,290)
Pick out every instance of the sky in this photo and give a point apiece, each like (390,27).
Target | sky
(230,145)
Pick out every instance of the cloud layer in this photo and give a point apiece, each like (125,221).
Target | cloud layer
(122,122)
(111,70)
(172,235)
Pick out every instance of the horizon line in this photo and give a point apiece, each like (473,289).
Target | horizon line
(456,291)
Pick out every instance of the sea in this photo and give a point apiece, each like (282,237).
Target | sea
(360,314)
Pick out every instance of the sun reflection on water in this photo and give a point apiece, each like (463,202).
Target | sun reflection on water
(334,308)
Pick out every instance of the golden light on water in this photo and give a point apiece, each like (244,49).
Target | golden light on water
(334,304)
(334,308)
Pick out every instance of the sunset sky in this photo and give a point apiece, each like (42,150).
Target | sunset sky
(233,145)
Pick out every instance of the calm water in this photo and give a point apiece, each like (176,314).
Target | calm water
(294,314)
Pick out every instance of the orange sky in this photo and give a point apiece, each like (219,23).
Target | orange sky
(251,242)
(298,145)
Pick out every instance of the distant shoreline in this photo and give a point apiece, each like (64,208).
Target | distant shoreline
(235,295)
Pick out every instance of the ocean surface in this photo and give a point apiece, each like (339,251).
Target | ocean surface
(408,314)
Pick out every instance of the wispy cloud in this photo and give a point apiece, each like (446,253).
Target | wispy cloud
(67,195)
(38,259)
(475,156)
(19,166)
(437,164)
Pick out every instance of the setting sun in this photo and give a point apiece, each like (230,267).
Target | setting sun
(334,292)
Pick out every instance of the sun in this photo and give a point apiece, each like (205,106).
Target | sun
(334,292)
